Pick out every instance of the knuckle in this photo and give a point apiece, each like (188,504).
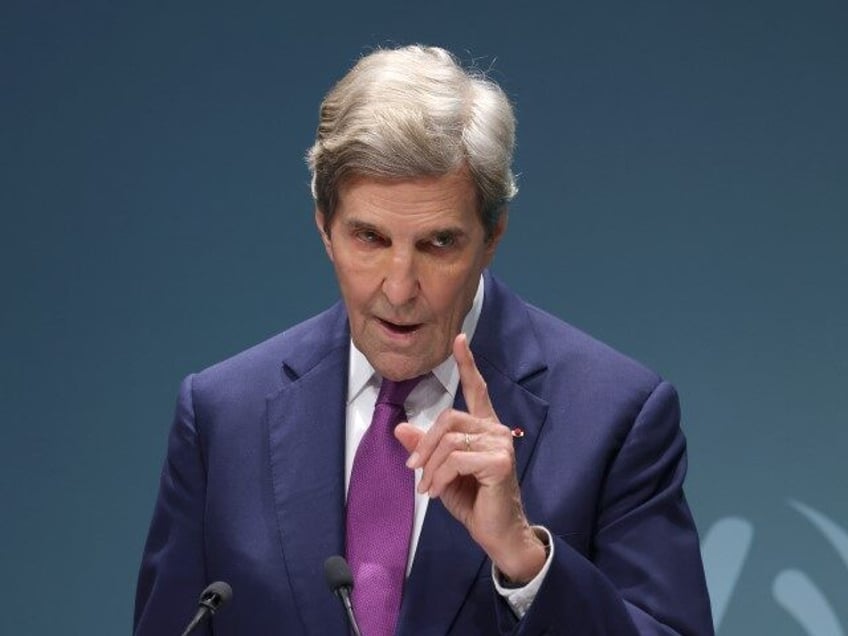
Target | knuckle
(441,426)
(502,462)
(453,459)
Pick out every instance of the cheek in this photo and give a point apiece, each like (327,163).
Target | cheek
(355,280)
(452,297)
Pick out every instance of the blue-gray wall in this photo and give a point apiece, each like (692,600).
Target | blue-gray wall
(683,197)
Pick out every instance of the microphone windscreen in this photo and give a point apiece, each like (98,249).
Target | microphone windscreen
(218,591)
(337,573)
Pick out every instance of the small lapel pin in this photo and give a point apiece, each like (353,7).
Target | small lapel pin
(518,432)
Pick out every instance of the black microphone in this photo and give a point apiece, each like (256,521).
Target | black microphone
(211,600)
(340,581)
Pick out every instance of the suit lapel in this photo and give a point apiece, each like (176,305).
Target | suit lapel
(447,560)
(306,440)
(512,362)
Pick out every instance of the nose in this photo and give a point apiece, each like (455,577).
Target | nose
(400,281)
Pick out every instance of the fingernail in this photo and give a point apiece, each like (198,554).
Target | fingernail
(412,462)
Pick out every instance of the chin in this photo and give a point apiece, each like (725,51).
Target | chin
(402,369)
(398,374)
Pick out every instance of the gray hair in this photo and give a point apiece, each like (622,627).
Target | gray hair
(413,112)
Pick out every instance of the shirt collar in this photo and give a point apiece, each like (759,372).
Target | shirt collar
(361,373)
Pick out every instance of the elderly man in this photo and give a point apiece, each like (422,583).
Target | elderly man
(484,467)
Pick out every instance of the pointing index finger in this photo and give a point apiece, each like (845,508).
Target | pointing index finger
(472,383)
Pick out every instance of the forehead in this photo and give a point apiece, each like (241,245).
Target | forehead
(450,198)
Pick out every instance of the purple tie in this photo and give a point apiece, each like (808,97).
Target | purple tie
(380,504)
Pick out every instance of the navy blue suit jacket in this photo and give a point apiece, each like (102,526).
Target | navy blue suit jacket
(252,491)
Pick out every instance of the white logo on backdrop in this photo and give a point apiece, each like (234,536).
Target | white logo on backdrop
(725,549)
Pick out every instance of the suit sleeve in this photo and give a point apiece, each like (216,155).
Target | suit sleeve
(172,573)
(643,575)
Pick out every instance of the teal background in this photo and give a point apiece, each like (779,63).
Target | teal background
(683,196)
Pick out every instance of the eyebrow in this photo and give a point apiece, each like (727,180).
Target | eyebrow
(358,224)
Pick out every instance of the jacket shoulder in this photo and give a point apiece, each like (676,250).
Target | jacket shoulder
(584,370)
(520,335)
(263,367)
(572,346)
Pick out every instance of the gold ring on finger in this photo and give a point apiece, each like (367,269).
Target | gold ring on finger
(467,442)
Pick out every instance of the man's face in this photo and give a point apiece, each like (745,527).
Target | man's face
(408,256)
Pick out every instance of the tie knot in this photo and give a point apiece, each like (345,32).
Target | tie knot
(395,393)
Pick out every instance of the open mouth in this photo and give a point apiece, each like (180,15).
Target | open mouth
(399,329)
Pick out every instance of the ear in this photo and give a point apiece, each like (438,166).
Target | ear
(497,233)
(325,238)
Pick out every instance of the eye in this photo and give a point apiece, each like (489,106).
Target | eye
(443,240)
(368,236)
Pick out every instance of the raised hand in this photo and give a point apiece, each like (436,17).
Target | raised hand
(468,462)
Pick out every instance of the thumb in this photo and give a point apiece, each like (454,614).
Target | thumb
(408,435)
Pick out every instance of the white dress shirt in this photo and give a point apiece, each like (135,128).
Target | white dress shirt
(433,394)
